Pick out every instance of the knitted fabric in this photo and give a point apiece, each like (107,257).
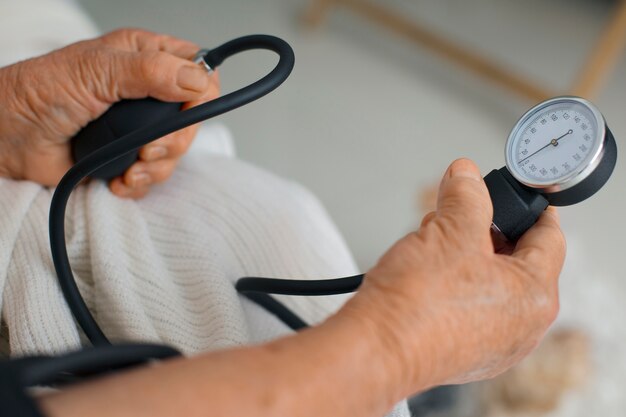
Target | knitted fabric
(163,268)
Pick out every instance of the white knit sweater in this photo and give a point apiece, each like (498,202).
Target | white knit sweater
(162,268)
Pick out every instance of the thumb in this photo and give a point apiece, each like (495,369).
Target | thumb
(464,200)
(121,74)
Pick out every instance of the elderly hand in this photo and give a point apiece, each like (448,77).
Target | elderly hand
(448,308)
(440,307)
(46,100)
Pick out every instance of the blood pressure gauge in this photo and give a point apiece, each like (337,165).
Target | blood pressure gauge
(560,152)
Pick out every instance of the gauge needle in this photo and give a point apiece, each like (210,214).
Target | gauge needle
(553,142)
(569,132)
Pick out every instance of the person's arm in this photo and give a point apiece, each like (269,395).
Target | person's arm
(440,307)
(338,369)
(46,100)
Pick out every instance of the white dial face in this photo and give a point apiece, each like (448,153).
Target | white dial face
(554,142)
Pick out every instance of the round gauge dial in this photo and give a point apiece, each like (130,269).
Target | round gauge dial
(559,153)
(556,144)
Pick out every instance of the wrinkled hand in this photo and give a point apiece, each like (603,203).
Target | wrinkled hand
(450,309)
(46,100)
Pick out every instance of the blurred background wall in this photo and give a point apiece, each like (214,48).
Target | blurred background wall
(368,120)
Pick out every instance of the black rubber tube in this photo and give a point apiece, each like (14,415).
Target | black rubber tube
(143,136)
(87,362)
(277,308)
(299,287)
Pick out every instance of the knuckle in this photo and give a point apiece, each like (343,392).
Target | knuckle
(162,40)
(117,36)
(150,65)
(552,307)
(538,298)
(127,33)
(428,218)
(100,68)
(545,304)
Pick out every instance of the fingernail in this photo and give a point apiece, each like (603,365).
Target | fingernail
(192,78)
(155,152)
(139,179)
(466,169)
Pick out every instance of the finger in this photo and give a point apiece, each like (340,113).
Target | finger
(178,143)
(148,173)
(136,40)
(156,74)
(173,145)
(211,93)
(120,189)
(464,199)
(542,247)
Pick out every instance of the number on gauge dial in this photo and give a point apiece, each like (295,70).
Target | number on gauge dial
(553,143)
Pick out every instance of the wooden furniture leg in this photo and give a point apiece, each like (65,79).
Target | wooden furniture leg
(598,66)
(604,56)
(317,12)
(408,29)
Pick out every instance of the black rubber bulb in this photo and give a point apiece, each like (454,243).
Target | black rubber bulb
(122,118)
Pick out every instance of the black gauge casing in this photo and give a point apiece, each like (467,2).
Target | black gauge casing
(517,204)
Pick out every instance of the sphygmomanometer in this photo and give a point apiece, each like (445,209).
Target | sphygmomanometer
(559,153)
